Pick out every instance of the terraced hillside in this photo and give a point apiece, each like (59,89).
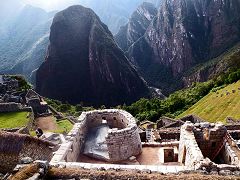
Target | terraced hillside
(219,105)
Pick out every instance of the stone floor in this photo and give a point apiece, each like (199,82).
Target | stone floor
(95,145)
(153,156)
(149,156)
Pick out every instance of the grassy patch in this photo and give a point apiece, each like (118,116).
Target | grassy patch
(13,120)
(217,106)
(64,126)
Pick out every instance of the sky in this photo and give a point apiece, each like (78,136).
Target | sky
(50,5)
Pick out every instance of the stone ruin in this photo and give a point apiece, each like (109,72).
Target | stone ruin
(166,122)
(109,135)
(193,119)
(112,136)
(34,100)
(8,101)
(12,100)
(166,129)
(10,107)
(7,83)
(207,146)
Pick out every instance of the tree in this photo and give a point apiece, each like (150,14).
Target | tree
(78,107)
(64,107)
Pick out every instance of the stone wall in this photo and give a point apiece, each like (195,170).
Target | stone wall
(200,143)
(193,119)
(228,155)
(164,121)
(209,137)
(10,107)
(71,149)
(233,127)
(123,140)
(169,134)
(124,143)
(189,153)
(176,124)
(114,119)
(14,146)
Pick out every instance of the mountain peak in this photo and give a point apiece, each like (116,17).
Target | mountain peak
(137,25)
(183,35)
(84,64)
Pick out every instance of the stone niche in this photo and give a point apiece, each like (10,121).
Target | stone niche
(170,154)
(110,135)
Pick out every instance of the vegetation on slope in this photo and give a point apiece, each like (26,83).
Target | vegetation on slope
(230,60)
(179,101)
(153,109)
(221,71)
(68,109)
(13,120)
(23,84)
(219,105)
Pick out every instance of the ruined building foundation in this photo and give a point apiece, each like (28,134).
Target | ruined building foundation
(113,136)
(110,135)
(206,145)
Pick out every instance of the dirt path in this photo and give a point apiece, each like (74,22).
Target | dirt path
(46,123)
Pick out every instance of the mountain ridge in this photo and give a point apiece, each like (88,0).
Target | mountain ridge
(137,25)
(16,53)
(184,34)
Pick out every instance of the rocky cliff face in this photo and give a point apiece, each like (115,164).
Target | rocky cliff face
(228,61)
(84,64)
(137,25)
(184,34)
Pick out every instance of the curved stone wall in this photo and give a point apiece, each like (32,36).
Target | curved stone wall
(122,140)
